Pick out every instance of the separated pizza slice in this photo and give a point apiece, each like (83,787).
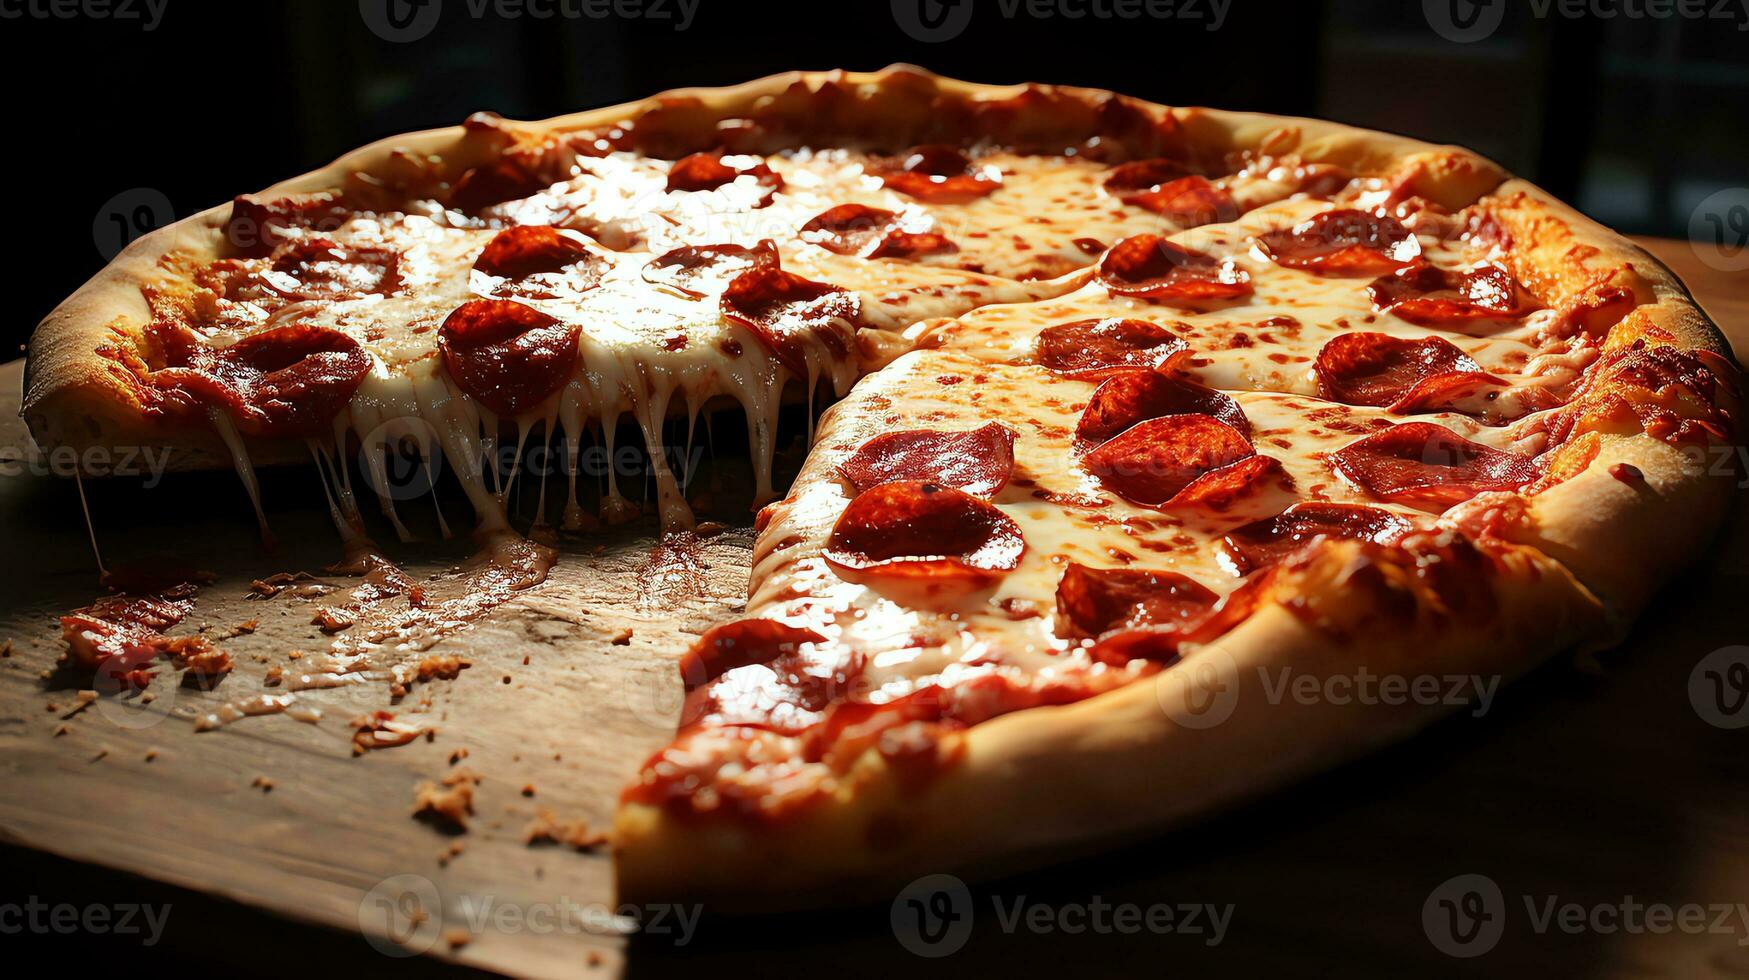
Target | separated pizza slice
(998,590)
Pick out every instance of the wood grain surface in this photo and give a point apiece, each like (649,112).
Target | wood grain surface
(1587,786)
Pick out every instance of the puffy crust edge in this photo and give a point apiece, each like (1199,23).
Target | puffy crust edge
(1117,766)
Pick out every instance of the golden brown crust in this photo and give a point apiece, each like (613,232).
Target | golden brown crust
(1140,758)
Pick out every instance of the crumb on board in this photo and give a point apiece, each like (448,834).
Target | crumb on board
(450,853)
(63,729)
(263,784)
(449,800)
(151,753)
(622,638)
(548,828)
(528,789)
(380,730)
(457,938)
(458,755)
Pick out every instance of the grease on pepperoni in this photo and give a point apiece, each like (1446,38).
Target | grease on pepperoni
(1093,349)
(1263,543)
(1380,370)
(940,174)
(1092,601)
(537,262)
(700,270)
(924,532)
(1135,395)
(710,171)
(784,309)
(1427,465)
(257,223)
(284,382)
(1430,296)
(1344,242)
(739,644)
(978,461)
(1188,202)
(508,356)
(1220,490)
(857,229)
(1150,267)
(1152,461)
(317,268)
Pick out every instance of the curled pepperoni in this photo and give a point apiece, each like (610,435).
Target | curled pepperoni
(316,268)
(1136,395)
(940,174)
(1378,369)
(1187,202)
(1423,464)
(256,223)
(857,229)
(739,644)
(927,533)
(1263,543)
(1344,242)
(699,270)
(1130,178)
(1093,349)
(1150,267)
(537,262)
(1091,601)
(1219,490)
(1161,642)
(783,309)
(978,461)
(1430,296)
(1152,461)
(509,356)
(709,171)
(285,382)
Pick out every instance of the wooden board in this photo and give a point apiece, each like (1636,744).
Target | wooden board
(1584,787)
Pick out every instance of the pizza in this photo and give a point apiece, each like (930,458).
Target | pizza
(1132,405)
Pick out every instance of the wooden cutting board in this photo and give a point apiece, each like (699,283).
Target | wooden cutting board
(1578,786)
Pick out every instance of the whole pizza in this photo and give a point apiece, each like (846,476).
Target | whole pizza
(1134,406)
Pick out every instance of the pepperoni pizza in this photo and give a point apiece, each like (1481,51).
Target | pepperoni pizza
(1137,404)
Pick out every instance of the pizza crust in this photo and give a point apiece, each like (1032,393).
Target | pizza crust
(1120,765)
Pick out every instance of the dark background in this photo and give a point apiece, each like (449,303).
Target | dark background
(1633,119)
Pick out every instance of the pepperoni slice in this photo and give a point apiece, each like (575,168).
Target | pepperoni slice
(1220,489)
(1136,395)
(739,644)
(1430,296)
(480,188)
(1091,601)
(699,270)
(923,532)
(709,171)
(1263,543)
(509,356)
(1187,202)
(1161,642)
(1152,461)
(255,223)
(1378,369)
(537,262)
(1093,349)
(285,382)
(1150,267)
(857,229)
(1423,464)
(1343,243)
(978,461)
(783,309)
(316,268)
(940,174)
(1127,179)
